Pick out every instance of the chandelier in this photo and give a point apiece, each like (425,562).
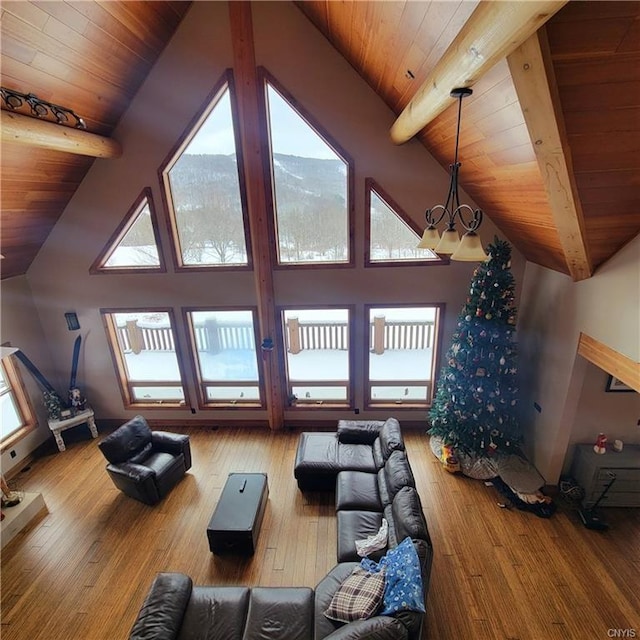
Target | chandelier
(469,248)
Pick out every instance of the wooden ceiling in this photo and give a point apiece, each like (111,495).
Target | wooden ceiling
(584,80)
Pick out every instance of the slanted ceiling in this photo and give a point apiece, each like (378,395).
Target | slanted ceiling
(550,139)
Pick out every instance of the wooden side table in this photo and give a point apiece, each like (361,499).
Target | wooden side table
(82,417)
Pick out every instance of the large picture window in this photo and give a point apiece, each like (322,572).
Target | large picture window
(224,348)
(402,354)
(16,412)
(311,188)
(317,358)
(205,197)
(144,347)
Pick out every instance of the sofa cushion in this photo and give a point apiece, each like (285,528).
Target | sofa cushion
(390,438)
(126,441)
(324,591)
(280,613)
(408,517)
(356,525)
(355,457)
(357,490)
(358,431)
(215,613)
(397,473)
(403,583)
(376,628)
(163,610)
(358,597)
(316,464)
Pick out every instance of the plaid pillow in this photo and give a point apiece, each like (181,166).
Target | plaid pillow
(358,597)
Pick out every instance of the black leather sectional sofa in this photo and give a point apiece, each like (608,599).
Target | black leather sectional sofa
(366,463)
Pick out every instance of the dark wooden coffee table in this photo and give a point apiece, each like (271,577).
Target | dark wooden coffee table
(235,523)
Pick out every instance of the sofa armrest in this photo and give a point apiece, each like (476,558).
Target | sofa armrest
(131,471)
(160,617)
(136,481)
(376,628)
(358,431)
(174,443)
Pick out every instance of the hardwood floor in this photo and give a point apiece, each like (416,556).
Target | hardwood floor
(83,570)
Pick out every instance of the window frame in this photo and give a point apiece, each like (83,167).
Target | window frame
(372,405)
(372,185)
(203,402)
(22,402)
(349,403)
(98,266)
(127,386)
(265,78)
(226,81)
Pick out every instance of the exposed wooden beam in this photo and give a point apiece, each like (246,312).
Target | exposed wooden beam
(492,32)
(611,361)
(22,129)
(244,64)
(535,83)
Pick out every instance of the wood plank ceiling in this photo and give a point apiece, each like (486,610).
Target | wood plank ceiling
(92,57)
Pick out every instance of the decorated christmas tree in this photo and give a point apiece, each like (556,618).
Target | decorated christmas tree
(475,408)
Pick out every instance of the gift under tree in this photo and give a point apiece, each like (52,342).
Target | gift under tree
(475,407)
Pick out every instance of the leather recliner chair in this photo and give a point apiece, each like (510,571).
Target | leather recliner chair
(145,464)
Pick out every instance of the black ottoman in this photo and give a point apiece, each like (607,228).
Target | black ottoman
(236,521)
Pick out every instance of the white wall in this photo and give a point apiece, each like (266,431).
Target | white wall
(553,312)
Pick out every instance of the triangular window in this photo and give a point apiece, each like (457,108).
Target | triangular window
(203,184)
(135,244)
(393,235)
(311,186)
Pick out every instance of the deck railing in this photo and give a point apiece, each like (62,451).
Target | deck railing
(213,336)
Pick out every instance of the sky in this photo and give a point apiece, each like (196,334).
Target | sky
(290,133)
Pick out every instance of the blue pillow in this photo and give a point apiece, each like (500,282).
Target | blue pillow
(403,585)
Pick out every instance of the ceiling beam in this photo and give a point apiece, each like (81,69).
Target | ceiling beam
(611,361)
(535,83)
(492,32)
(20,129)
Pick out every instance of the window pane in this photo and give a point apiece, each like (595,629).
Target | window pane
(317,351)
(205,192)
(138,246)
(391,239)
(147,345)
(233,394)
(310,189)
(226,353)
(11,420)
(319,394)
(155,394)
(401,348)
(399,394)
(16,412)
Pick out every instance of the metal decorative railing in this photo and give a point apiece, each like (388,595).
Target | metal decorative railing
(14,100)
